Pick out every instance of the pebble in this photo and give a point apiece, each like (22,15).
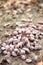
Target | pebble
(28,45)
(11,49)
(19,37)
(13,54)
(17,46)
(37,36)
(20,31)
(25,39)
(16,50)
(15,33)
(23,29)
(6,34)
(32,43)
(27,31)
(28,61)
(31,39)
(38,47)
(20,44)
(10,41)
(7,47)
(26,50)
(3,44)
(22,52)
(42,34)
(16,40)
(2,48)
(6,25)
(5,52)
(23,57)
(11,46)
(31,48)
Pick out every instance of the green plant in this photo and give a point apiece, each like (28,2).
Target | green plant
(8,18)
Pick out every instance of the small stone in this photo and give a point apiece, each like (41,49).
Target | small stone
(2,48)
(26,50)
(32,43)
(19,37)
(3,44)
(25,39)
(23,57)
(23,29)
(19,31)
(14,37)
(11,46)
(24,20)
(10,41)
(19,45)
(7,24)
(6,34)
(31,48)
(28,61)
(37,36)
(5,52)
(16,50)
(22,52)
(16,40)
(42,34)
(31,39)
(14,54)
(15,33)
(28,45)
(36,40)
(33,32)
(27,31)
(10,49)
(31,35)
(7,47)
(38,47)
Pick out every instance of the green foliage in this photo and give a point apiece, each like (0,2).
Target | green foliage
(7,18)
(18,23)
